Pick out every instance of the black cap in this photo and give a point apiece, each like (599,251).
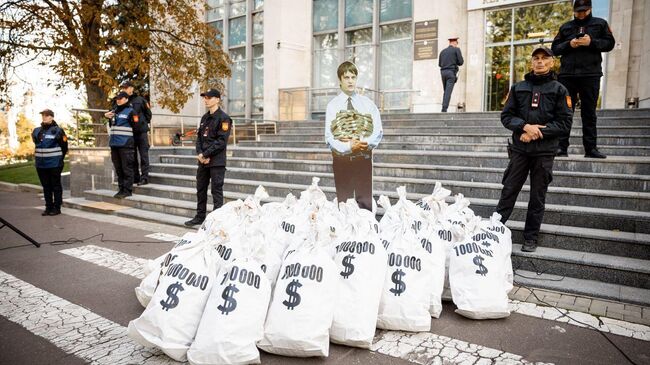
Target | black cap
(213,93)
(121,94)
(126,84)
(47,112)
(542,49)
(581,5)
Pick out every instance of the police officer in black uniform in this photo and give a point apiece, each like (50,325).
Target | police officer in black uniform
(580,43)
(142,112)
(538,112)
(449,60)
(122,122)
(211,143)
(51,147)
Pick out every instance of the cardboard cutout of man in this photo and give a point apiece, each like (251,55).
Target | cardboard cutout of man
(352,130)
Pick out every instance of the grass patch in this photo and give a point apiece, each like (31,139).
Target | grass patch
(23,173)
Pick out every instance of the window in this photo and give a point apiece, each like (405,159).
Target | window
(258,79)
(258,27)
(396,63)
(237,35)
(390,10)
(358,12)
(237,89)
(326,15)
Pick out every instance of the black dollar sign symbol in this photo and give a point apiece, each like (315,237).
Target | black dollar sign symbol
(294,297)
(349,268)
(400,286)
(172,299)
(229,303)
(478,261)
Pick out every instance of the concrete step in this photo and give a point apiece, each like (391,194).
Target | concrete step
(608,199)
(562,236)
(475,138)
(608,219)
(494,129)
(615,164)
(470,147)
(624,182)
(584,265)
(467,123)
(591,288)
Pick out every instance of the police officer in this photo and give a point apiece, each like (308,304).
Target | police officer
(538,112)
(211,143)
(51,147)
(449,60)
(140,134)
(122,122)
(580,43)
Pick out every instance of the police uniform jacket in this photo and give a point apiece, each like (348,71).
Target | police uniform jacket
(450,58)
(539,99)
(122,126)
(142,112)
(212,137)
(51,146)
(583,61)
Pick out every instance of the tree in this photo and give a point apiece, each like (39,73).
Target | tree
(24,129)
(98,43)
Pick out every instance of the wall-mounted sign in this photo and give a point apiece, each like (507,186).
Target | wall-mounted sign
(482,4)
(426,30)
(425,50)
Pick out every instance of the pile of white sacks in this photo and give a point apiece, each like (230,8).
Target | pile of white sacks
(290,277)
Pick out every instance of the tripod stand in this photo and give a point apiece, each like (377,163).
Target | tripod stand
(24,235)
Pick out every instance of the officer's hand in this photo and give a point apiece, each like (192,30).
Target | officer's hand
(206,160)
(109,115)
(534,130)
(585,40)
(526,138)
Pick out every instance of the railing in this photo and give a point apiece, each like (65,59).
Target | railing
(176,130)
(301,103)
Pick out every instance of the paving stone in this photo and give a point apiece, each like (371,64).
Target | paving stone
(573,307)
(567,299)
(615,315)
(639,320)
(646,313)
(583,302)
(633,308)
(616,307)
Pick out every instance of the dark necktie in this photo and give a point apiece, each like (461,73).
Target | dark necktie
(350,107)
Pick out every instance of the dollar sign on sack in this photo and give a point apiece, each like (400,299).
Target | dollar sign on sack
(172,298)
(349,267)
(294,297)
(478,261)
(229,303)
(400,286)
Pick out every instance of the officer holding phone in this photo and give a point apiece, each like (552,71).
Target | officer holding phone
(580,43)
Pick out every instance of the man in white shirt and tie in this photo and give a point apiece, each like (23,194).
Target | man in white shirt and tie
(352,157)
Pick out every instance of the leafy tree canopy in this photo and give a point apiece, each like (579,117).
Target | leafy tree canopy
(164,45)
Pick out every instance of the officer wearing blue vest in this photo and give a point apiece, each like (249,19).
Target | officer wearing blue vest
(51,146)
(121,124)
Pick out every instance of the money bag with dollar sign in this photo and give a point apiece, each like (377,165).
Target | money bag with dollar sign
(477,271)
(362,261)
(233,320)
(302,305)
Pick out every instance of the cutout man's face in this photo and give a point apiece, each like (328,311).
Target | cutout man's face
(348,82)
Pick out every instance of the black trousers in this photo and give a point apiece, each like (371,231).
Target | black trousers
(141,165)
(353,178)
(540,169)
(52,189)
(123,158)
(587,89)
(448,82)
(204,175)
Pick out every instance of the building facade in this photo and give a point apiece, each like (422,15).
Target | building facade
(285,52)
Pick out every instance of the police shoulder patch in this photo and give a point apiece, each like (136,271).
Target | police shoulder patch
(225,126)
(568,101)
(65,138)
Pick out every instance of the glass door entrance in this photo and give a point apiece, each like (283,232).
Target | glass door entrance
(511,35)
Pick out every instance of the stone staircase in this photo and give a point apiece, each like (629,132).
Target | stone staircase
(596,234)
